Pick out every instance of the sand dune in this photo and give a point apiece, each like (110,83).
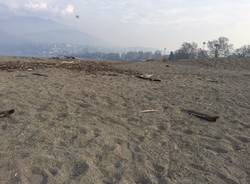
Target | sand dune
(84,122)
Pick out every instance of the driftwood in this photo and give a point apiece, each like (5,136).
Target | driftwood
(4,114)
(148,77)
(68,62)
(148,111)
(21,76)
(201,115)
(69,57)
(39,74)
(211,80)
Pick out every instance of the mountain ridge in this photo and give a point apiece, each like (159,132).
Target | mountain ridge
(40,30)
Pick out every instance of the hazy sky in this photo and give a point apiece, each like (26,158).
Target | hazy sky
(149,23)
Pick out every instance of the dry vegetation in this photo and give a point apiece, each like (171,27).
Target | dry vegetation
(84,122)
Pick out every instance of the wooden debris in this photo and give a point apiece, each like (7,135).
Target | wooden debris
(201,115)
(39,74)
(215,81)
(69,57)
(111,74)
(91,67)
(4,114)
(68,62)
(148,77)
(148,111)
(21,76)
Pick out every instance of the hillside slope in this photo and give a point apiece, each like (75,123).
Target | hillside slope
(18,34)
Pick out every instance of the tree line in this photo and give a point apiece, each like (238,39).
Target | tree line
(220,47)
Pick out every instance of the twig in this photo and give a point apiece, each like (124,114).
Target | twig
(39,74)
(4,114)
(215,81)
(201,115)
(148,77)
(68,62)
(21,76)
(148,111)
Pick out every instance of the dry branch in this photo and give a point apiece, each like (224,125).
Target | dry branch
(4,114)
(201,115)
(148,77)
(148,111)
(40,75)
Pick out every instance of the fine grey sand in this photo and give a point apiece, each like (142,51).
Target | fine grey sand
(83,123)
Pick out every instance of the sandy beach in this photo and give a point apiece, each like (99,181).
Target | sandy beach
(97,123)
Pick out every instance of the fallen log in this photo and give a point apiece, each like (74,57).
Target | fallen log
(148,77)
(4,114)
(201,115)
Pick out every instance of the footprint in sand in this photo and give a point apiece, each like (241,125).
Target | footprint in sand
(244,139)
(80,168)
(188,132)
(143,180)
(225,178)
(39,176)
(159,173)
(83,130)
(216,149)
(97,132)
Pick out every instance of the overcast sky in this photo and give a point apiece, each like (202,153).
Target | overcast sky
(149,23)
